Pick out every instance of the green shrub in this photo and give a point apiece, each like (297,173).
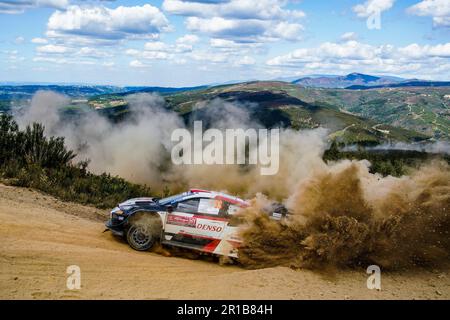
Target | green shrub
(29,159)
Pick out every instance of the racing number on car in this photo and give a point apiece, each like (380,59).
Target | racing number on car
(218,204)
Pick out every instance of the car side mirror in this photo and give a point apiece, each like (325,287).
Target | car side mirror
(169,208)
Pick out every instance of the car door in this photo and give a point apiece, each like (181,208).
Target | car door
(210,222)
(195,223)
(181,219)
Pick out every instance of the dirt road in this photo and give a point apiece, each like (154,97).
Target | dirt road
(41,236)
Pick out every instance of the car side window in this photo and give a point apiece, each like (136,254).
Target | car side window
(233,209)
(210,206)
(188,206)
(224,208)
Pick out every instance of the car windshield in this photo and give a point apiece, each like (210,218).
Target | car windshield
(166,201)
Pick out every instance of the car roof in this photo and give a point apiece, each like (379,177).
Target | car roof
(201,193)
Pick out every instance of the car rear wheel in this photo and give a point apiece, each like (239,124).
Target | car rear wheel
(140,238)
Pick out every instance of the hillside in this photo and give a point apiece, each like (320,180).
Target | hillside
(364,116)
(422,109)
(273,104)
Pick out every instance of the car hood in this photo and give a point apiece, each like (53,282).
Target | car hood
(138,202)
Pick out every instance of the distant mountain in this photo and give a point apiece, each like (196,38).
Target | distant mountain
(27,91)
(11,92)
(403,84)
(359,81)
(352,79)
(161,90)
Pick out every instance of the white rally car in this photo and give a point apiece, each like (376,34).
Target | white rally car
(198,219)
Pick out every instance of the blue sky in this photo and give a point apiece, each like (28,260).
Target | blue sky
(185,43)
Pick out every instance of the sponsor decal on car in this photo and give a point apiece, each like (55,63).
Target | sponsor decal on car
(181,220)
(208,227)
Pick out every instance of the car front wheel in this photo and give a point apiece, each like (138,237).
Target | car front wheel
(140,238)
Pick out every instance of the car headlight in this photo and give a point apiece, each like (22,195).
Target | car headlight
(125,208)
(116,211)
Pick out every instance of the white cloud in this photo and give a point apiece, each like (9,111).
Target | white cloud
(184,49)
(39,40)
(235,9)
(62,61)
(224,44)
(10,52)
(241,20)
(218,26)
(189,39)
(19,40)
(331,52)
(57,4)
(13,56)
(415,51)
(138,64)
(180,61)
(220,51)
(348,36)
(51,48)
(245,61)
(93,53)
(285,30)
(108,64)
(244,30)
(370,7)
(39,69)
(50,60)
(156,46)
(19,6)
(148,54)
(349,50)
(438,9)
(61,54)
(356,56)
(233,46)
(208,56)
(99,22)
(163,51)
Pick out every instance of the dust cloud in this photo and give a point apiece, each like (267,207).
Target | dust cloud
(341,214)
(136,149)
(345,216)
(442,147)
(139,148)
